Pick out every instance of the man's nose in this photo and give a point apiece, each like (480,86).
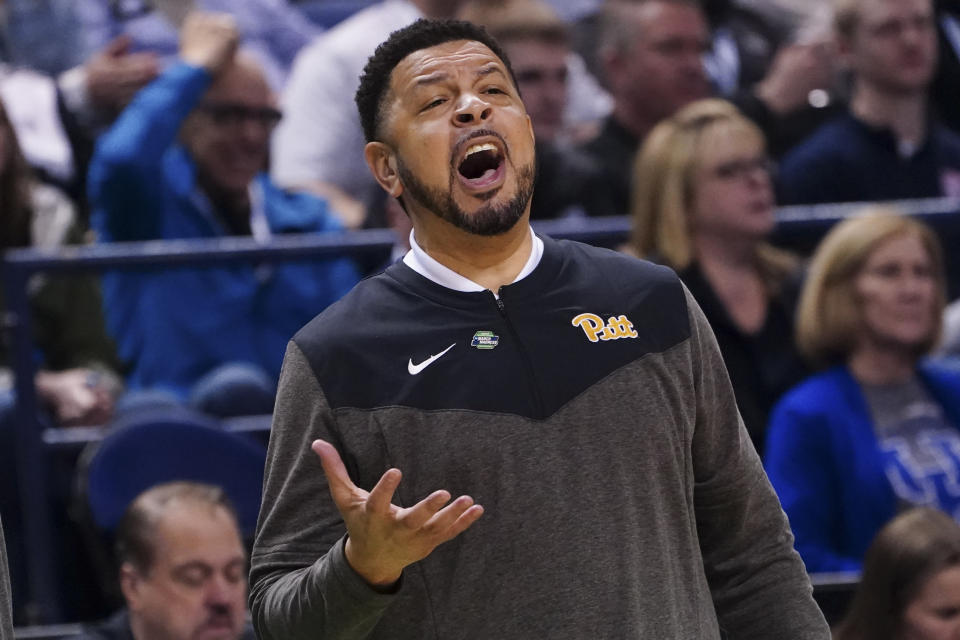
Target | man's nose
(471,109)
(759,175)
(691,60)
(557,92)
(221,593)
(253,130)
(910,287)
(693,66)
(914,32)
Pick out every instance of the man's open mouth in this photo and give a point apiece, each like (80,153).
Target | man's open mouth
(481,166)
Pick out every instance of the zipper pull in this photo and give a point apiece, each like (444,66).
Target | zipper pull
(499,299)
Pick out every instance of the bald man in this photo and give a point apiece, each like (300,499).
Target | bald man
(182,568)
(186,159)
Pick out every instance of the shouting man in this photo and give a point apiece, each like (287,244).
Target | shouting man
(574,398)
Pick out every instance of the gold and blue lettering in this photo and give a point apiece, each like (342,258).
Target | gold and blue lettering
(596,330)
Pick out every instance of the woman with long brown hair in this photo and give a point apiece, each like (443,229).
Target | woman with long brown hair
(910,586)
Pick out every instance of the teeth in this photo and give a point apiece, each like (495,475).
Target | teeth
(477,148)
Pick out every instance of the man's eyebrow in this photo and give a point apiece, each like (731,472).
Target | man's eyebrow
(489,69)
(191,565)
(205,566)
(441,76)
(432,78)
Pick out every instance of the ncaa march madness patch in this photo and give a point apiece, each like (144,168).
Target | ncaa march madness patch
(485,340)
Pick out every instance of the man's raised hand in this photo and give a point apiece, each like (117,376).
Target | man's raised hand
(382,537)
(208,40)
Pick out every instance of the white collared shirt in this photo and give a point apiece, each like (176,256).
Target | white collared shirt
(418,260)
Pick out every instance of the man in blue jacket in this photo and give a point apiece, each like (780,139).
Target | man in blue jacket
(185,160)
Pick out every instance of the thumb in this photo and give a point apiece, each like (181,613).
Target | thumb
(341,487)
(118,46)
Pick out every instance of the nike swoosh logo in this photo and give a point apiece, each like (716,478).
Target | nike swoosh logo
(414,369)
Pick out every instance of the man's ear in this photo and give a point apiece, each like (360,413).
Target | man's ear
(383,164)
(130,585)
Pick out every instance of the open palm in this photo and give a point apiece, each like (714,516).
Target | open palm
(383,538)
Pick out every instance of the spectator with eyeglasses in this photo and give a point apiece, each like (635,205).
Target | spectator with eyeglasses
(187,159)
(703,204)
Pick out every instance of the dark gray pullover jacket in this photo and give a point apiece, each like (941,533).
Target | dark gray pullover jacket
(622,496)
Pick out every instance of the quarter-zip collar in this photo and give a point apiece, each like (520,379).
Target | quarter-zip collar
(421,262)
(535,278)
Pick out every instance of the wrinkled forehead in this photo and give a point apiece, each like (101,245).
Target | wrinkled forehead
(188,529)
(443,62)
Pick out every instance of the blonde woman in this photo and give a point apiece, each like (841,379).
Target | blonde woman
(703,204)
(878,430)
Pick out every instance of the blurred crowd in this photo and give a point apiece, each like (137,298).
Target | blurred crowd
(134,120)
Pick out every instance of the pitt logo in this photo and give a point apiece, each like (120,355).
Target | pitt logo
(596,330)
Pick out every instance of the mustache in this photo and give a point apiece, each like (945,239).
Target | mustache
(465,139)
(219,617)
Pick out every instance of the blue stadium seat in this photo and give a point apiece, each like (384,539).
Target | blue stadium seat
(151,447)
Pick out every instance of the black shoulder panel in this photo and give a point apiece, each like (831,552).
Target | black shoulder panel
(400,340)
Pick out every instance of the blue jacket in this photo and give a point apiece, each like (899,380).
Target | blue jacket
(174,325)
(824,462)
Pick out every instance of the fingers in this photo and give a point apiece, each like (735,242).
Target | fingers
(432,516)
(419,514)
(138,67)
(341,487)
(104,402)
(118,46)
(382,494)
(446,523)
(464,522)
(442,523)
(208,40)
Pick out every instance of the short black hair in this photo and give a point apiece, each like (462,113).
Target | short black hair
(422,34)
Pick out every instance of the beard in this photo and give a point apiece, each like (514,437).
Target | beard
(489,220)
